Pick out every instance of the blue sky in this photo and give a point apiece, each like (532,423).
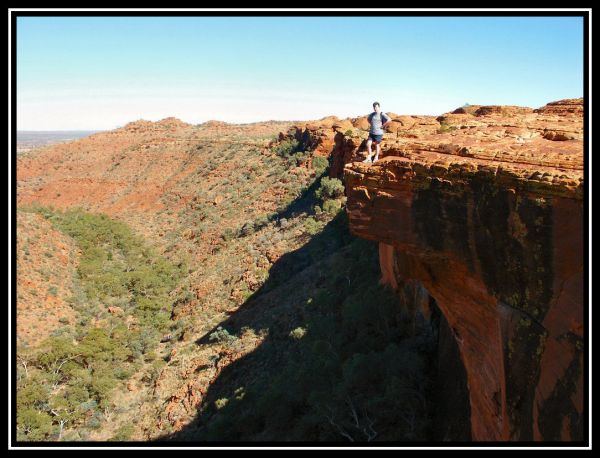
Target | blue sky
(100,73)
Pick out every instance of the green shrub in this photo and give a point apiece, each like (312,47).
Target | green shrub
(124,433)
(312,226)
(319,164)
(330,188)
(287,147)
(445,128)
(221,335)
(33,425)
(220,403)
(301,157)
(298,333)
(332,206)
(228,234)
(247,229)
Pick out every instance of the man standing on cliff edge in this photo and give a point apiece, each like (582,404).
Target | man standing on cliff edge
(378,121)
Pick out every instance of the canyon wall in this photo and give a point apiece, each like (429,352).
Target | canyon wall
(484,207)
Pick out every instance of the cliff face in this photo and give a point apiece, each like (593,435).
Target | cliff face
(484,208)
(486,212)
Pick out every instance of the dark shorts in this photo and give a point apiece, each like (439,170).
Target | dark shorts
(376,138)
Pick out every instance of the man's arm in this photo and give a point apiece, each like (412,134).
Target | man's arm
(389,120)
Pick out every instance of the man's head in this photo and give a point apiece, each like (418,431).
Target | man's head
(376,107)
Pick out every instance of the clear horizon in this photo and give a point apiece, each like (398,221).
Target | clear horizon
(99,73)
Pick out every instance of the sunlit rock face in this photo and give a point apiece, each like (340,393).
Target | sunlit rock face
(485,209)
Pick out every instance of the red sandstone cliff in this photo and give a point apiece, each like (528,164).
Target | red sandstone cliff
(484,207)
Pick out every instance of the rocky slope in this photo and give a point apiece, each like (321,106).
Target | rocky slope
(195,193)
(46,259)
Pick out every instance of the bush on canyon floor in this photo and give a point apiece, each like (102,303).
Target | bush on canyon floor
(330,188)
(331,194)
(332,206)
(319,164)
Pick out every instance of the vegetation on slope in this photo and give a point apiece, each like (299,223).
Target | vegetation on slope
(340,361)
(123,308)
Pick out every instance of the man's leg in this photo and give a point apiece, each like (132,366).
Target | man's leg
(378,149)
(369,141)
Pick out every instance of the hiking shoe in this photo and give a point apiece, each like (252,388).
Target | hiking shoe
(368,159)
(375,159)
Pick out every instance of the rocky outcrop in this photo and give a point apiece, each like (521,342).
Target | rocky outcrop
(500,134)
(167,124)
(563,107)
(341,140)
(485,210)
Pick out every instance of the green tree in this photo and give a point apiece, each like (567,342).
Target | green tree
(330,188)
(33,425)
(287,147)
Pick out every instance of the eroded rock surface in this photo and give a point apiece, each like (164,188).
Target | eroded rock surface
(484,207)
(487,213)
